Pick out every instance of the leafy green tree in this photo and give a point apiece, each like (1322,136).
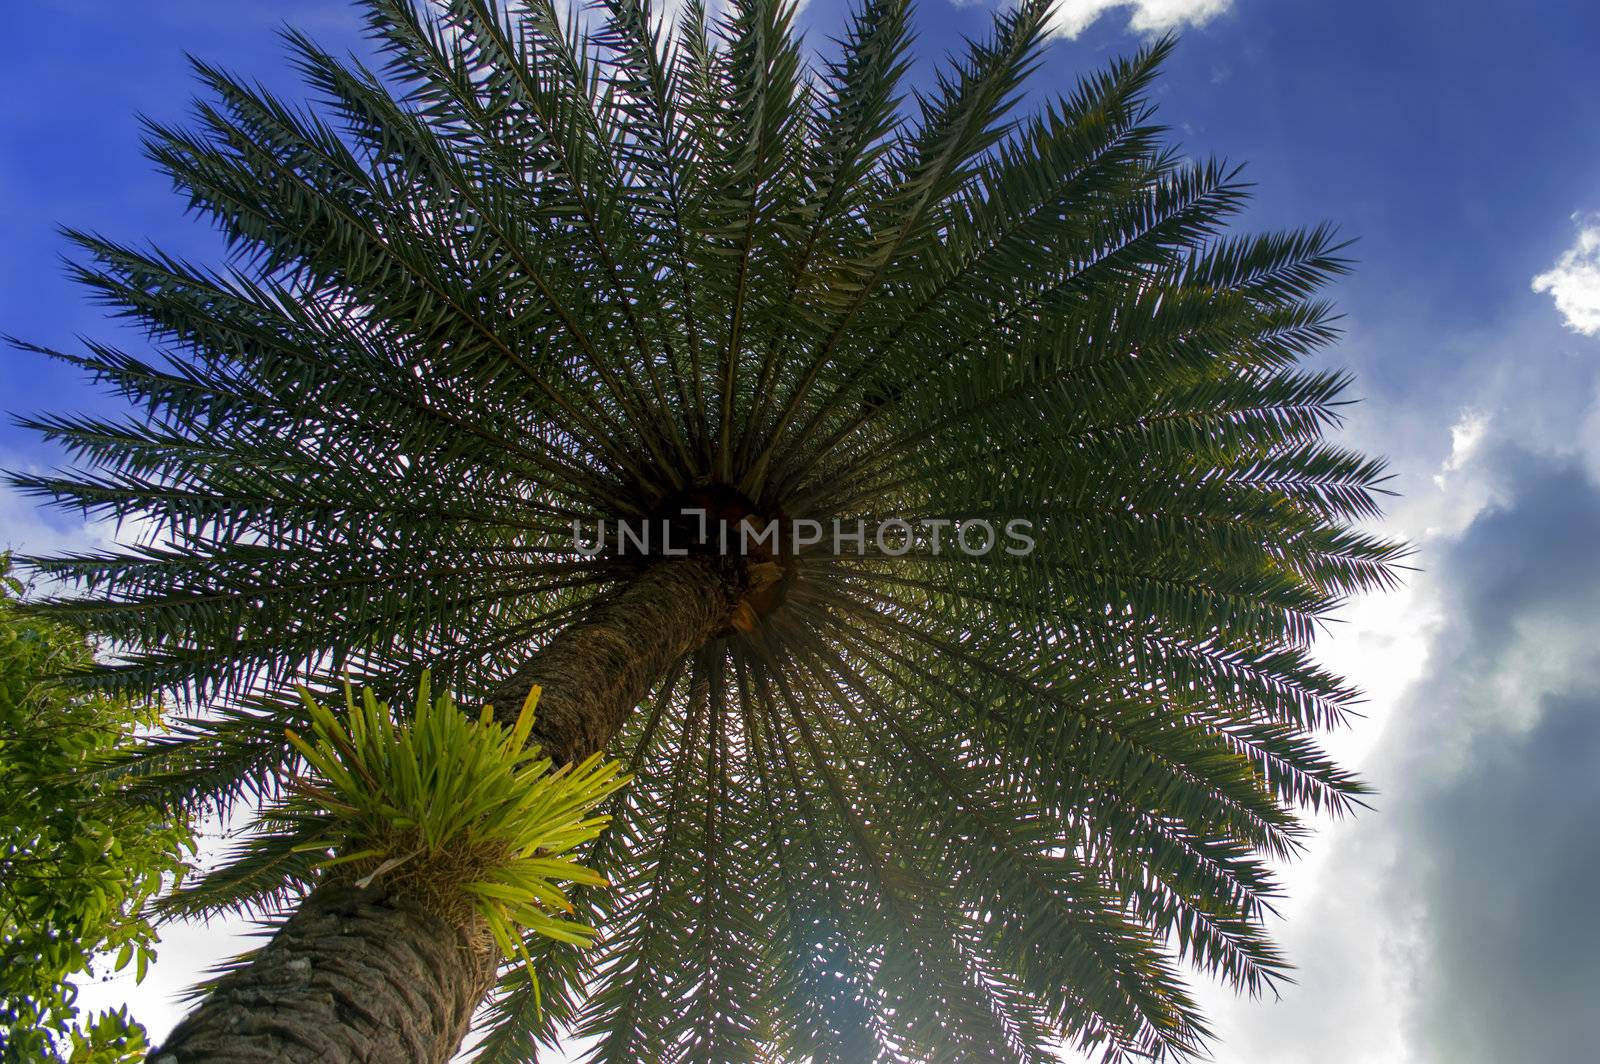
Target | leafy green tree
(77,863)
(899,801)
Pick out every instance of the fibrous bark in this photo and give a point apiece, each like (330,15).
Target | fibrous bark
(595,672)
(353,976)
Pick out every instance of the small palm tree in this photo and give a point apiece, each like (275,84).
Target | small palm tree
(892,801)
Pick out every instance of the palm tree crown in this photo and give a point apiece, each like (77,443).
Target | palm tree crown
(930,805)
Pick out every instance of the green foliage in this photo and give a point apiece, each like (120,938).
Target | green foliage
(931,807)
(459,809)
(77,863)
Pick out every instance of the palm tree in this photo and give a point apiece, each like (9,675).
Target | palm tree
(891,802)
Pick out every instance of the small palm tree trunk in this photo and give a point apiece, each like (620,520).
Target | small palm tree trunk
(596,672)
(367,975)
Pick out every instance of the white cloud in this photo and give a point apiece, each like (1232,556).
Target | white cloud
(1465,435)
(27,528)
(1574,281)
(1462,487)
(1149,16)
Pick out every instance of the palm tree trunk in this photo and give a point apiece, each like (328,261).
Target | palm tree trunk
(596,672)
(371,975)
(354,975)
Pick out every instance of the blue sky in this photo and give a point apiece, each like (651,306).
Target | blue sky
(1459,144)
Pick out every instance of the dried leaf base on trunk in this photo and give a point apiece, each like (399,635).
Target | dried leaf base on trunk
(353,976)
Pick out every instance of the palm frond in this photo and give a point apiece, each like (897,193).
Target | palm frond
(525,270)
